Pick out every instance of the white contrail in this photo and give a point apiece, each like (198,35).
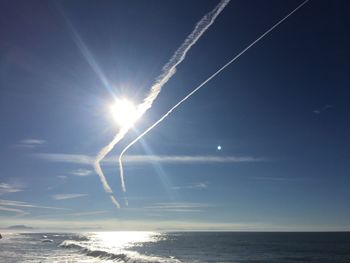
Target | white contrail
(102,154)
(114,201)
(168,71)
(201,85)
(170,68)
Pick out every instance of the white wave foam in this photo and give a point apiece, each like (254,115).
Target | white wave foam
(118,256)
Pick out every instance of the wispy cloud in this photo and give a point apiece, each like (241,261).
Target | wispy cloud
(18,207)
(7,188)
(269,178)
(199,186)
(4,202)
(87,213)
(81,172)
(62,177)
(30,143)
(66,158)
(140,159)
(322,109)
(176,207)
(74,214)
(67,196)
(13,210)
(188,159)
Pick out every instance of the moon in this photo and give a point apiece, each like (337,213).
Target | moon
(219,147)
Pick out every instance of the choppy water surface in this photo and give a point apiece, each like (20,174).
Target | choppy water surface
(176,247)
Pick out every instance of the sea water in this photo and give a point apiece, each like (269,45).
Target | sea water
(176,247)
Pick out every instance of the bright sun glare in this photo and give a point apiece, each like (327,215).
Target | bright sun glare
(124,112)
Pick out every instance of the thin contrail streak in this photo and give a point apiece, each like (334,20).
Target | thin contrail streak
(170,68)
(102,154)
(201,85)
(167,72)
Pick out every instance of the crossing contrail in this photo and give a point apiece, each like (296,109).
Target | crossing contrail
(202,84)
(167,72)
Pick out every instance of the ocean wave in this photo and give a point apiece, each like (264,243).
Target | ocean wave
(125,256)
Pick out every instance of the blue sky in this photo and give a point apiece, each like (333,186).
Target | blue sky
(280,113)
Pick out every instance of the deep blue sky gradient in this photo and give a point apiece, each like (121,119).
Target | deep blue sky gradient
(285,101)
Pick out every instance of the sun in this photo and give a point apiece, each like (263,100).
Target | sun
(124,112)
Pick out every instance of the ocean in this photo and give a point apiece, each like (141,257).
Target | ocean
(244,247)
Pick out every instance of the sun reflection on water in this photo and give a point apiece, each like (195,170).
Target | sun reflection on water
(117,241)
